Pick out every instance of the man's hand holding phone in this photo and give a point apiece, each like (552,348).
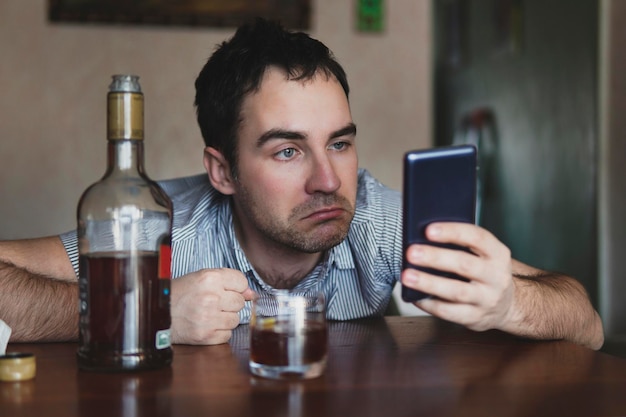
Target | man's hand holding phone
(485,300)
(452,268)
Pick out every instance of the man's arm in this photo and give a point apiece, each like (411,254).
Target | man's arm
(552,306)
(38,290)
(501,293)
(39,296)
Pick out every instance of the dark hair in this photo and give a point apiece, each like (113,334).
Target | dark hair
(236,69)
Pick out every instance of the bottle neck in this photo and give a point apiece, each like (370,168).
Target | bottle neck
(125,157)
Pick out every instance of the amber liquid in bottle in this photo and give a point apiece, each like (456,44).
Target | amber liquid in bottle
(124,229)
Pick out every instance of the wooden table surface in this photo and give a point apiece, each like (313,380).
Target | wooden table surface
(398,366)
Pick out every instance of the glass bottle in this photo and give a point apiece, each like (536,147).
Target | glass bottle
(124,238)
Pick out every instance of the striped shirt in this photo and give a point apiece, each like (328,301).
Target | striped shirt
(357,276)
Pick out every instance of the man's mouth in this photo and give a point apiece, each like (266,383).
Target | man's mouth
(326,214)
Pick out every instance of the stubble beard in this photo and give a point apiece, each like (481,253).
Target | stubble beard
(321,237)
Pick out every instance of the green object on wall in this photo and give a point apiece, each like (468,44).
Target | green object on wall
(370,15)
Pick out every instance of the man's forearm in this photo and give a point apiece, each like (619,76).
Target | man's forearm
(552,306)
(37,308)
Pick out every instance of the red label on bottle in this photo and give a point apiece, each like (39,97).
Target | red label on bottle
(165,262)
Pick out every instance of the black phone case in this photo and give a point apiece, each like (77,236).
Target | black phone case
(439,186)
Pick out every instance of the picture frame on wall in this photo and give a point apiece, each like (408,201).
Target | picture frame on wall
(293,14)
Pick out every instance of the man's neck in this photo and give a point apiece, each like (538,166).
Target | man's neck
(282,269)
(282,275)
(279,266)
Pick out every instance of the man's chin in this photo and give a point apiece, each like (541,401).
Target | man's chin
(322,243)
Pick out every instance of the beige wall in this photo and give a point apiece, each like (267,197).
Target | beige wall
(53,82)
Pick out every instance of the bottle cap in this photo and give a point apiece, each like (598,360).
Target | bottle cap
(17,366)
(125,83)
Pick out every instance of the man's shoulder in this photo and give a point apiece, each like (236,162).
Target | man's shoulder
(378,216)
(194,200)
(176,186)
(373,196)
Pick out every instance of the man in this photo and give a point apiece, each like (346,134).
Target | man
(284,205)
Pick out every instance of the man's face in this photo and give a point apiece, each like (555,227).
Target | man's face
(297,165)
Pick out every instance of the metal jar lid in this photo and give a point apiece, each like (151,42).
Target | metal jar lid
(16,366)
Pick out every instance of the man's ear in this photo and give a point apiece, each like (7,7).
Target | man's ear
(219,171)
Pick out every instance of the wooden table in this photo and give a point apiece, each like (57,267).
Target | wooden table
(398,366)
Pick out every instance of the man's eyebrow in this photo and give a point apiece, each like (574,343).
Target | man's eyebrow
(278,134)
(349,130)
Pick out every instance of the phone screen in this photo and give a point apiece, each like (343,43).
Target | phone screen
(439,186)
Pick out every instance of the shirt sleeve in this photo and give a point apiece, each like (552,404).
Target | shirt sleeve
(70,241)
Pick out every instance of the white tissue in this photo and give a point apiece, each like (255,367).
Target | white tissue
(5,333)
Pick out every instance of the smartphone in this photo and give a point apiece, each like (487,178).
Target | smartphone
(439,186)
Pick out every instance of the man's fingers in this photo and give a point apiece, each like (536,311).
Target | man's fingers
(233,280)
(206,305)
(477,239)
(444,288)
(232,302)
(459,262)
(249,294)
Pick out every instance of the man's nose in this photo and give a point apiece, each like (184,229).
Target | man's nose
(323,177)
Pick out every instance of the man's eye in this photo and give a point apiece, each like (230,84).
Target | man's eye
(339,145)
(286,153)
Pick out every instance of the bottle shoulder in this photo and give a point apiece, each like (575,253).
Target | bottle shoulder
(116,191)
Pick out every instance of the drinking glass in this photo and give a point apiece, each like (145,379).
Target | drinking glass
(288,335)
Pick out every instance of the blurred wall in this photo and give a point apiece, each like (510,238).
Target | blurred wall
(612,173)
(54,79)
